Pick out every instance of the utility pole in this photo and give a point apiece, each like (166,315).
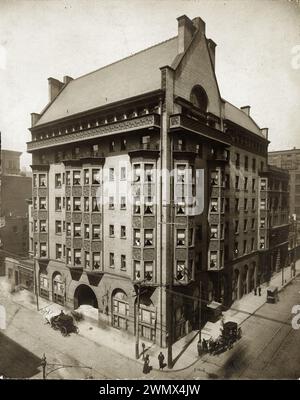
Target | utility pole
(200,311)
(44,365)
(137,351)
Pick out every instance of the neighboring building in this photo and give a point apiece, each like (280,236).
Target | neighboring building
(157,110)
(290,161)
(20,273)
(15,189)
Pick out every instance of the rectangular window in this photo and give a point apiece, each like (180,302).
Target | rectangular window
(96,260)
(148,265)
(123,174)
(42,225)
(246,163)
(180,207)
(123,144)
(253,204)
(237,181)
(42,203)
(112,146)
(252,244)
(76,178)
(68,229)
(77,229)
(123,262)
(137,270)
(34,203)
(214,232)
(58,229)
(123,231)
(58,181)
(87,259)
(123,203)
(96,231)
(77,256)
(111,174)
(262,204)
(246,183)
(262,222)
(245,246)
(148,205)
(262,243)
(245,204)
(136,173)
(58,251)
(86,203)
(34,180)
(237,160)
(111,230)
(111,204)
(111,260)
(214,205)
(253,185)
(57,203)
(148,172)
(86,231)
(236,226)
(253,223)
(253,164)
(95,206)
(148,237)
(146,142)
(180,239)
(96,176)
(95,150)
(181,173)
(263,184)
(180,270)
(76,204)
(86,176)
(136,237)
(245,224)
(42,180)
(236,205)
(43,249)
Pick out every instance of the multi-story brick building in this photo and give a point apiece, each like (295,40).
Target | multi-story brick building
(15,189)
(121,126)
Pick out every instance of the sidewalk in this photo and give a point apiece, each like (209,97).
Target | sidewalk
(184,350)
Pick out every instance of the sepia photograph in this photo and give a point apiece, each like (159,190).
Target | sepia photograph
(149,192)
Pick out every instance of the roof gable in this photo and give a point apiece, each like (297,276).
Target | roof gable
(238,116)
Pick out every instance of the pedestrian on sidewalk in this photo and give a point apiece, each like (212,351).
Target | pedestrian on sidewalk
(259,291)
(161,359)
(255,291)
(204,345)
(146,367)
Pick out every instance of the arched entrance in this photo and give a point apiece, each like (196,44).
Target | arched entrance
(58,288)
(85,295)
(120,309)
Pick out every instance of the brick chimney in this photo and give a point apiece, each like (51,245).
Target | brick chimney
(34,118)
(186,30)
(54,87)
(212,51)
(246,110)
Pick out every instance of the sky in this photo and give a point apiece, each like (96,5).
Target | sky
(257,55)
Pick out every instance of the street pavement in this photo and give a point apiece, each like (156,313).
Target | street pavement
(267,344)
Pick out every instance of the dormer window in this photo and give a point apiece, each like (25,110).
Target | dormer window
(199,98)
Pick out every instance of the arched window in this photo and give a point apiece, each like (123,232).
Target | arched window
(199,98)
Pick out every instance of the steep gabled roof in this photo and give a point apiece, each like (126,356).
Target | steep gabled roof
(135,75)
(239,117)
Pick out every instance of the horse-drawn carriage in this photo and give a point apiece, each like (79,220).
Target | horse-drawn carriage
(230,333)
(64,323)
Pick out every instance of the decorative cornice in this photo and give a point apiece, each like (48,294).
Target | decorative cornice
(142,122)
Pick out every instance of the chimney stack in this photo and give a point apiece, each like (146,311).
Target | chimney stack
(67,79)
(212,51)
(34,118)
(186,30)
(55,87)
(246,110)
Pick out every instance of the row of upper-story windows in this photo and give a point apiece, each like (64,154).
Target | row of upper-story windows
(246,163)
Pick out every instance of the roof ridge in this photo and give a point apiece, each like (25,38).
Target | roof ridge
(125,58)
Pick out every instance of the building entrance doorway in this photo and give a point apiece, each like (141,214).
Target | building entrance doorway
(84,295)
